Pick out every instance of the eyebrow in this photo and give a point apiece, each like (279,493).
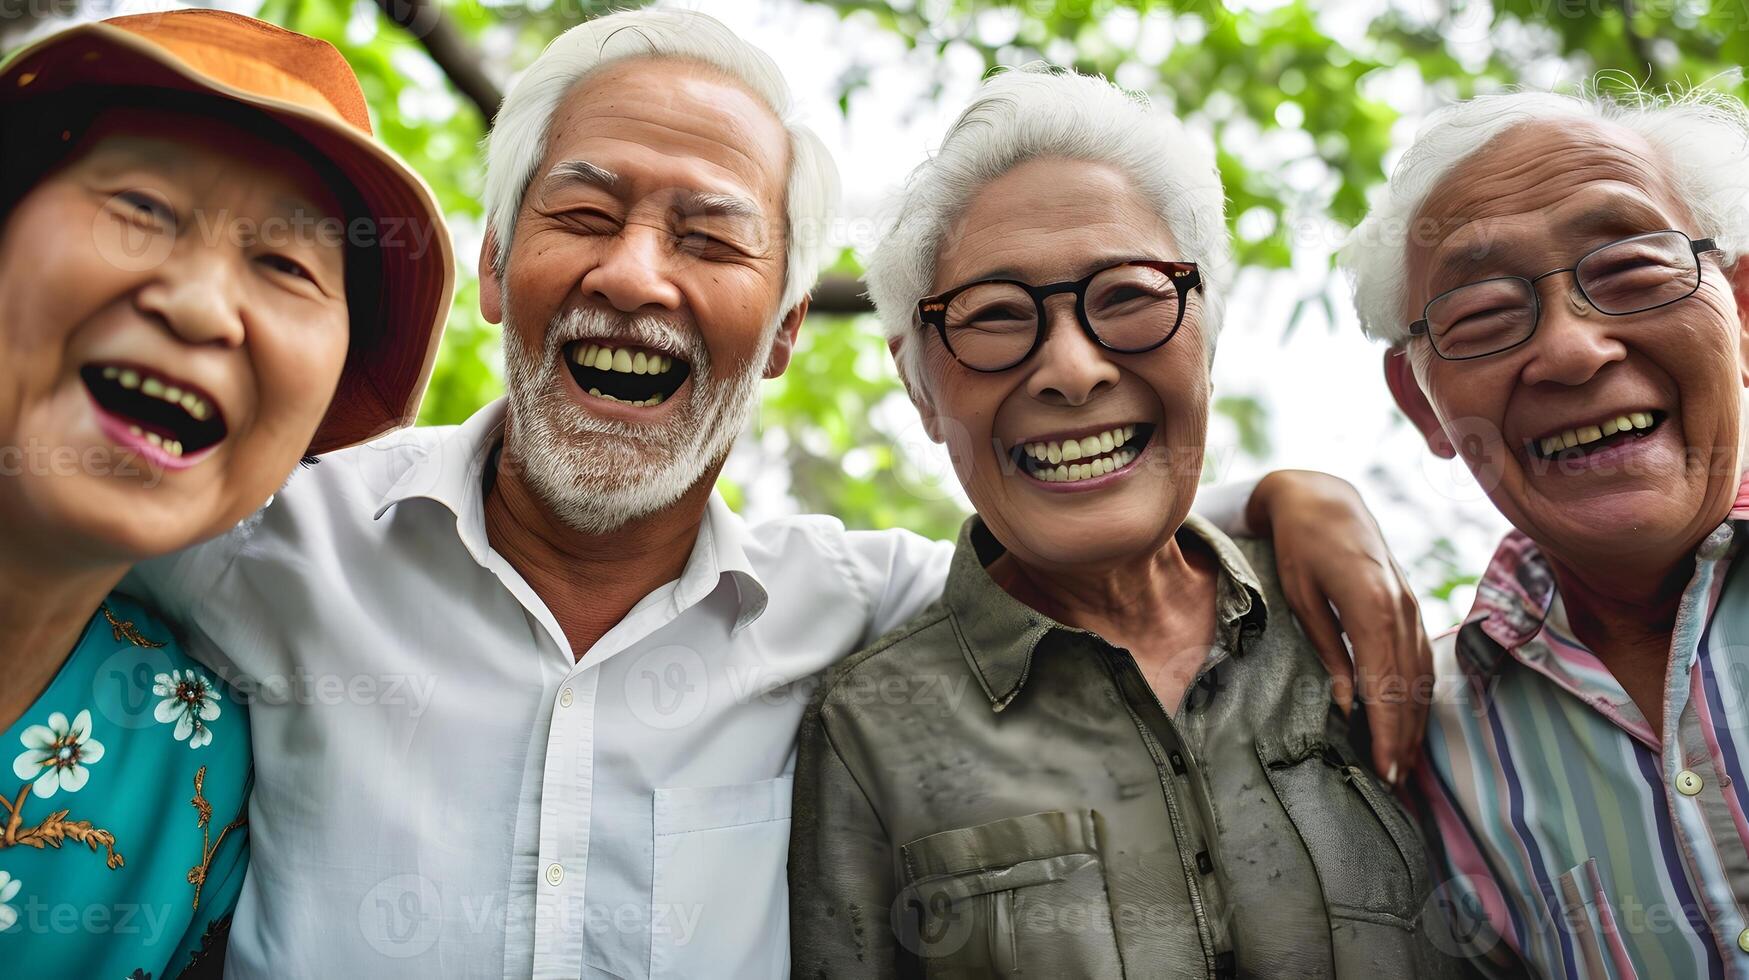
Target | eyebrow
(567,172)
(1615,213)
(703,204)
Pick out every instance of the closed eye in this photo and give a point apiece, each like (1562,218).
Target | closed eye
(290,267)
(144,209)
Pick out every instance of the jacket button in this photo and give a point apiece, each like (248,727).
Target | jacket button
(1743,940)
(1688,782)
(1178,765)
(1204,863)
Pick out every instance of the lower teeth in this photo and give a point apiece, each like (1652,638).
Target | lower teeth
(1075,472)
(655,399)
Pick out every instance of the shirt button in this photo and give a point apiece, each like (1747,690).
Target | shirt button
(565,700)
(555,874)
(1688,783)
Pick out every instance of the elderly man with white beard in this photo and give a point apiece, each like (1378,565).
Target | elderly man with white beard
(525,691)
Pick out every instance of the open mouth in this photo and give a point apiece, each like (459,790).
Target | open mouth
(1085,458)
(634,375)
(1576,443)
(167,414)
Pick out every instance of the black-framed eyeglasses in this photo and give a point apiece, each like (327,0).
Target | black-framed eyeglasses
(1129,308)
(1632,275)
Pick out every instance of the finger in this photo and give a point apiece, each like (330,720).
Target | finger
(1320,623)
(1378,661)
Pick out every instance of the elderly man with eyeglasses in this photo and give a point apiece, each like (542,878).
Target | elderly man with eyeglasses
(1562,283)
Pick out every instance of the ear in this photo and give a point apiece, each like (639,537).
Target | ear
(1738,275)
(491,291)
(920,399)
(1400,378)
(784,346)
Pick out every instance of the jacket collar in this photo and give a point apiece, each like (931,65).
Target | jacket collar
(999,634)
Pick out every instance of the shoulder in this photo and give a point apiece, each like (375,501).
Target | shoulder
(147,682)
(871,561)
(927,645)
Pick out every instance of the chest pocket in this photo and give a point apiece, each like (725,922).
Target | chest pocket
(1368,858)
(1022,896)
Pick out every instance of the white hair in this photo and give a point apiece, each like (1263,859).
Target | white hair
(518,140)
(1701,136)
(1044,111)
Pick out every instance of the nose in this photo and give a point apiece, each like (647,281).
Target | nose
(1573,341)
(1069,368)
(196,294)
(632,273)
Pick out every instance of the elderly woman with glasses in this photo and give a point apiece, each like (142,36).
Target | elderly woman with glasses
(1109,750)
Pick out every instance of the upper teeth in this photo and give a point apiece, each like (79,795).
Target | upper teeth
(191,403)
(1098,455)
(624,360)
(1070,450)
(1591,433)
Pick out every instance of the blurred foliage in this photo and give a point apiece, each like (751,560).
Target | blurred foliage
(1310,96)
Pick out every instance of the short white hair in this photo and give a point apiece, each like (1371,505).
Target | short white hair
(1044,111)
(518,140)
(1701,136)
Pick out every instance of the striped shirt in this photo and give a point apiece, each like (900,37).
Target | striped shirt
(1576,836)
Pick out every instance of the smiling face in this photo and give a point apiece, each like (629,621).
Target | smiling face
(1077,455)
(641,291)
(1540,424)
(175,325)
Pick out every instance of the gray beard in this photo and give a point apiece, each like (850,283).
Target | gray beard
(594,474)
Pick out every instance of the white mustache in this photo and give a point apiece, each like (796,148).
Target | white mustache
(655,332)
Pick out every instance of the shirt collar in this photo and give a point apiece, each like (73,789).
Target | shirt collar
(999,634)
(1514,594)
(452,471)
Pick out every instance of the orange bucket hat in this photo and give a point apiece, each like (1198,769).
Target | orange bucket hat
(306,85)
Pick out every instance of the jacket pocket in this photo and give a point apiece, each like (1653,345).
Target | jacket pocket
(719,900)
(1367,857)
(1022,896)
(1588,919)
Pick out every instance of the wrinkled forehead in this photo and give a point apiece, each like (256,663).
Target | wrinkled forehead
(666,123)
(1531,196)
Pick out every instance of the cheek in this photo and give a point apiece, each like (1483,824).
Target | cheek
(732,308)
(296,371)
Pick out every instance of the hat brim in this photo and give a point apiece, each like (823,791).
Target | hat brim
(387,369)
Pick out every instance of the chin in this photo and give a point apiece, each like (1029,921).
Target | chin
(124,523)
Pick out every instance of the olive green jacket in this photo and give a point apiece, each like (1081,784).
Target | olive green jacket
(987,792)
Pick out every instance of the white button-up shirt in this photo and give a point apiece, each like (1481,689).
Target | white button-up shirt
(443,789)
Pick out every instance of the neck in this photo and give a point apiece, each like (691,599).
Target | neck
(1122,601)
(591,580)
(42,614)
(1624,612)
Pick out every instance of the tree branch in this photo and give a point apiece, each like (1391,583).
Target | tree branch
(839,295)
(452,50)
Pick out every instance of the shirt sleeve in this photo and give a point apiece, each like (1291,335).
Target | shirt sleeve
(1224,505)
(903,572)
(840,869)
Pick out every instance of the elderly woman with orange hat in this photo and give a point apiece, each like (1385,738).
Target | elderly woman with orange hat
(208,269)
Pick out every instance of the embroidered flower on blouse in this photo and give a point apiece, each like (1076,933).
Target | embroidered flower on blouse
(189,700)
(8,891)
(56,755)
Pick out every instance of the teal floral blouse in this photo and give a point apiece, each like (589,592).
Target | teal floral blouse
(124,838)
